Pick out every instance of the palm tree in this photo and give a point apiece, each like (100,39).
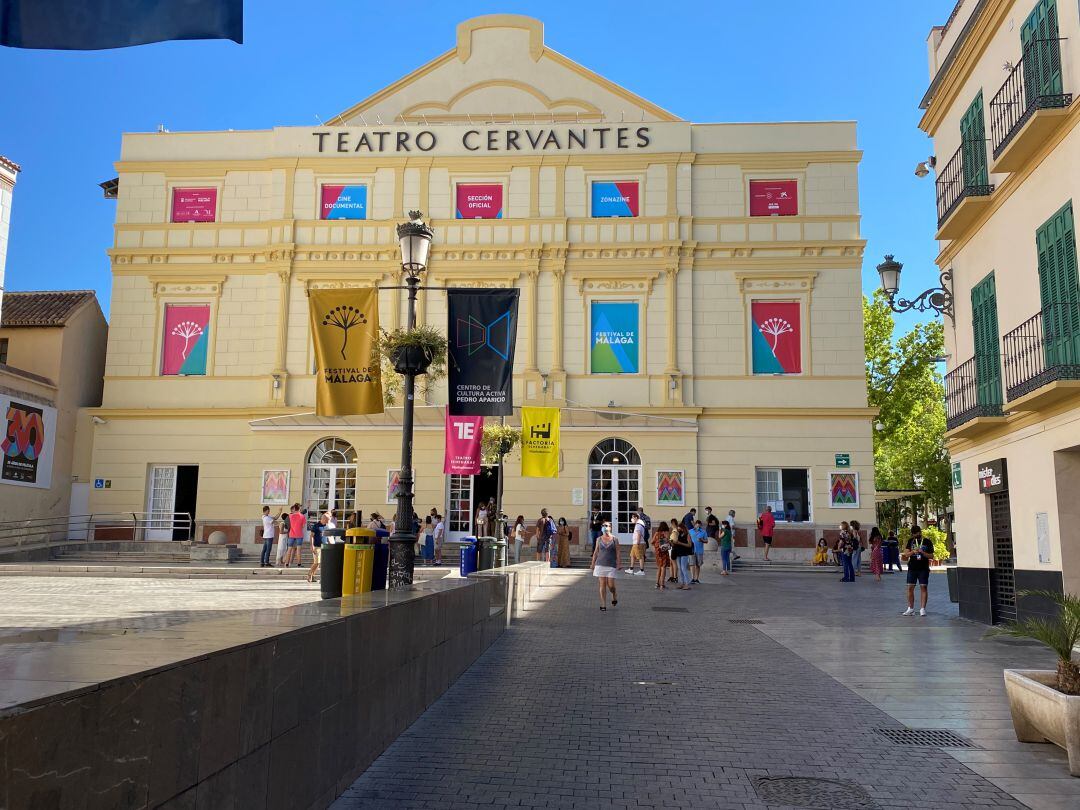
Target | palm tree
(1061,634)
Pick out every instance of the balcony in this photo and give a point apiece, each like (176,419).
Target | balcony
(971,407)
(1029,107)
(960,199)
(1042,358)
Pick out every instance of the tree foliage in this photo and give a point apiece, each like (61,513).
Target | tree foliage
(904,383)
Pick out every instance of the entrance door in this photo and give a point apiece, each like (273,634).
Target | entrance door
(465,492)
(160,502)
(615,484)
(330,480)
(1002,580)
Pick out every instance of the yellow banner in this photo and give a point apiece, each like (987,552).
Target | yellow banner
(344,324)
(539,442)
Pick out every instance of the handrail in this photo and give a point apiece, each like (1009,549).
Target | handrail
(964,400)
(1017,100)
(952,182)
(60,528)
(1044,348)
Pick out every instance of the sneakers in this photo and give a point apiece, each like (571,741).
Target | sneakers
(922,611)
(640,573)
(910,612)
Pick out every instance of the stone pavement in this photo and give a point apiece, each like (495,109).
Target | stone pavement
(638,707)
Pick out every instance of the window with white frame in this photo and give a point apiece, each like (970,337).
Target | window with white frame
(785,492)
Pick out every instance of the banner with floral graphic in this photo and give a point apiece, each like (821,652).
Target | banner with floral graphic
(776,335)
(187,333)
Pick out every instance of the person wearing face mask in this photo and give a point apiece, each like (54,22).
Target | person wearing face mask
(605,565)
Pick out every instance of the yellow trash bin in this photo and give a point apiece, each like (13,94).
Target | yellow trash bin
(359,560)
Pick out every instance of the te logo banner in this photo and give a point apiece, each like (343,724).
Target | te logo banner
(464,436)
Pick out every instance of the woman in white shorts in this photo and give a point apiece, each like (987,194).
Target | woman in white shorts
(606,564)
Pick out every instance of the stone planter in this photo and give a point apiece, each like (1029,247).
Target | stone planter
(411,359)
(1040,713)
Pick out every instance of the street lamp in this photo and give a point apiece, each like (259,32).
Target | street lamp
(939,299)
(415,239)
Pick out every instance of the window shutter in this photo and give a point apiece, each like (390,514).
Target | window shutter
(985,332)
(973,143)
(1042,52)
(1059,289)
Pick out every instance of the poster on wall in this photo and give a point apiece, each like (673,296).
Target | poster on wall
(843,490)
(27,444)
(464,435)
(670,488)
(479,201)
(275,487)
(344,202)
(184,344)
(614,199)
(344,326)
(774,198)
(393,485)
(481,331)
(194,204)
(776,337)
(614,337)
(540,442)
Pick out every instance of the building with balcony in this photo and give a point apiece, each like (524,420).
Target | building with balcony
(535,173)
(1001,113)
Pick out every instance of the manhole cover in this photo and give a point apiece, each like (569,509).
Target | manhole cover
(671,610)
(745,621)
(926,737)
(813,792)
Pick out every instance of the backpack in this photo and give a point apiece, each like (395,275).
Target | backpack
(648,523)
(549,528)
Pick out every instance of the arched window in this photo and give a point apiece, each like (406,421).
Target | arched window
(332,451)
(330,483)
(615,451)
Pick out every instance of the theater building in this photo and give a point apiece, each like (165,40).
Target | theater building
(690,297)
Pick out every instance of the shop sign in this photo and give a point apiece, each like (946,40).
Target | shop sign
(618,199)
(479,201)
(993,476)
(194,204)
(615,337)
(774,198)
(344,202)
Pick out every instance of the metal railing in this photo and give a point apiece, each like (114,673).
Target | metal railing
(79,528)
(967,397)
(1029,87)
(954,183)
(1044,348)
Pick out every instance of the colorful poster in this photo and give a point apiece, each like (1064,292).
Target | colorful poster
(194,204)
(776,335)
(463,437)
(187,335)
(275,487)
(479,201)
(344,202)
(843,490)
(27,443)
(669,488)
(344,325)
(539,442)
(615,337)
(774,198)
(618,199)
(393,485)
(481,331)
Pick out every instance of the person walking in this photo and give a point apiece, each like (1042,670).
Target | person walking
(296,535)
(731,523)
(682,549)
(860,547)
(726,543)
(316,544)
(766,523)
(919,552)
(877,549)
(439,534)
(480,523)
(847,552)
(892,552)
(637,546)
(269,532)
(697,537)
(605,564)
(519,537)
(661,553)
(562,543)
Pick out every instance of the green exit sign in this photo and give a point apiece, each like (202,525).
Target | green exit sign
(843,459)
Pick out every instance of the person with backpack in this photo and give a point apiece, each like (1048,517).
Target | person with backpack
(545,530)
(637,545)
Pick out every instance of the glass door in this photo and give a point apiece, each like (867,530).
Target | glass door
(616,491)
(459,513)
(160,502)
(331,487)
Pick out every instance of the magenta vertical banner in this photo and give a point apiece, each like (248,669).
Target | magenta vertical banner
(463,436)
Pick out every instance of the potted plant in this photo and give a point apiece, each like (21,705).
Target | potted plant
(1045,705)
(420,350)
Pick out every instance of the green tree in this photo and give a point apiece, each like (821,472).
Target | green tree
(904,383)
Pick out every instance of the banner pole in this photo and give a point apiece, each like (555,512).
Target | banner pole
(403,541)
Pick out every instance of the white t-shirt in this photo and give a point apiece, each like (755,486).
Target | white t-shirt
(731,521)
(639,532)
(268,527)
(439,530)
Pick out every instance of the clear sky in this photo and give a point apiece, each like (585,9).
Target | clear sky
(63,112)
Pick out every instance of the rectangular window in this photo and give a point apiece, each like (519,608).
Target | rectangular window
(774,198)
(479,201)
(776,337)
(785,492)
(194,204)
(3,350)
(185,339)
(614,337)
(615,198)
(343,202)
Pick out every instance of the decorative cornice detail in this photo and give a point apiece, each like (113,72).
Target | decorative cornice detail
(617,281)
(204,286)
(775,282)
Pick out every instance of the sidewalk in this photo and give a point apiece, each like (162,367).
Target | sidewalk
(573,707)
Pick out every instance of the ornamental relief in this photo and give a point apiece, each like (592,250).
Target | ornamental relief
(633,284)
(188,288)
(796,283)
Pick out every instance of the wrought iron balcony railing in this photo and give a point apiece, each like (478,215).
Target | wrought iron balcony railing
(1034,83)
(967,396)
(1044,348)
(954,183)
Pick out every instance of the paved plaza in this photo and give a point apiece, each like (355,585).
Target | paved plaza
(643,706)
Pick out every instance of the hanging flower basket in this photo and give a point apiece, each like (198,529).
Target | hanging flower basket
(421,350)
(410,359)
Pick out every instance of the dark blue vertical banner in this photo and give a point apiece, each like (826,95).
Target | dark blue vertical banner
(482,332)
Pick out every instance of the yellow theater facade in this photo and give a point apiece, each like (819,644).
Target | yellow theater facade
(725,257)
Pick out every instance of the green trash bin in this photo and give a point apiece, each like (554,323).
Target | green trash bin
(486,556)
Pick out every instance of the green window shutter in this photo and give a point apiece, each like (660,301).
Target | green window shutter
(973,144)
(1042,52)
(1059,289)
(984,324)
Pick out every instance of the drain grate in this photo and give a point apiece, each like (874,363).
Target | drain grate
(671,610)
(745,621)
(926,737)
(813,792)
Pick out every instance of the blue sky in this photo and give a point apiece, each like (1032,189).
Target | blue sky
(789,60)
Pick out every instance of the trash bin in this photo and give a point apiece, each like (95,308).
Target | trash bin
(954,583)
(358,562)
(381,561)
(331,563)
(499,554)
(469,552)
(485,553)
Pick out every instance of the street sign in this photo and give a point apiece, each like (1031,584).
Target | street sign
(99,483)
(843,459)
(957,479)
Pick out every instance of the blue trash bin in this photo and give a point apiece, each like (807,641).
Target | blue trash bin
(381,561)
(469,550)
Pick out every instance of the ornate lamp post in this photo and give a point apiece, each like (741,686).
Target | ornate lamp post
(415,240)
(939,299)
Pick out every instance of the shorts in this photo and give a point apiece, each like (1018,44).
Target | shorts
(767,539)
(922,576)
(543,546)
(699,560)
(637,552)
(316,553)
(296,542)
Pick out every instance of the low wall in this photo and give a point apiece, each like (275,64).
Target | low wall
(273,708)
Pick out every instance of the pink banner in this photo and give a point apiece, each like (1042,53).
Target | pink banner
(194,204)
(463,435)
(774,198)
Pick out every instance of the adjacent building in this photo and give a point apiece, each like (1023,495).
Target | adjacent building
(727,258)
(1001,113)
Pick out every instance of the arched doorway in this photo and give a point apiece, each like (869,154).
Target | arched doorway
(615,483)
(330,478)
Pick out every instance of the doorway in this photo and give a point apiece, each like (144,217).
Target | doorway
(465,492)
(1002,576)
(330,479)
(615,483)
(172,490)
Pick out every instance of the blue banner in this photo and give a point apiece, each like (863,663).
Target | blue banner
(344,202)
(614,337)
(614,199)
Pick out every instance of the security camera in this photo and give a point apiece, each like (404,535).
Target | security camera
(921,170)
